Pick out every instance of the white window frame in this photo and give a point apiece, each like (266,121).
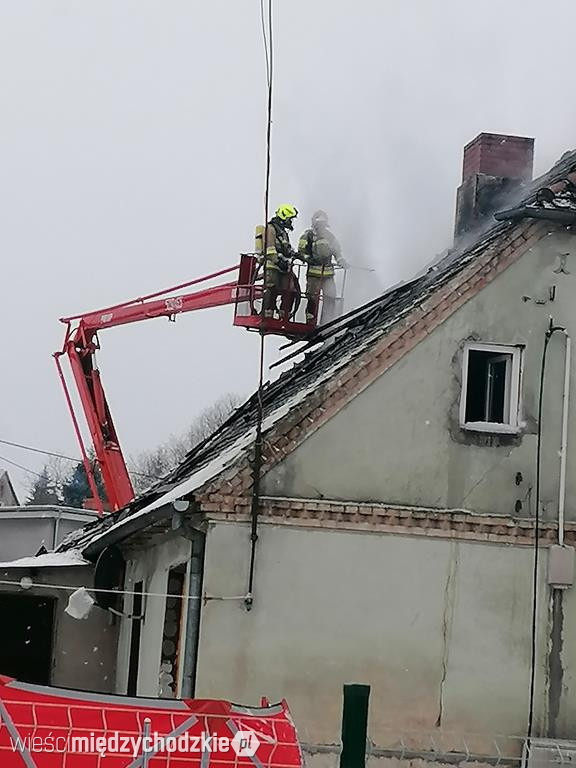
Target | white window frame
(513,386)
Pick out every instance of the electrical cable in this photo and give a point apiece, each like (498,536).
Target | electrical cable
(38,450)
(263,20)
(67,458)
(20,466)
(257,467)
(534,626)
(68,588)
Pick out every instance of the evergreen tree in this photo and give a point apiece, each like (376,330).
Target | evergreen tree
(76,489)
(44,490)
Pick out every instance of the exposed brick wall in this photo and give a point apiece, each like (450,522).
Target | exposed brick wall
(496,154)
(383,518)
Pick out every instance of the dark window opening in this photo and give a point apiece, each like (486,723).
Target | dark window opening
(171,652)
(26,647)
(488,387)
(133,665)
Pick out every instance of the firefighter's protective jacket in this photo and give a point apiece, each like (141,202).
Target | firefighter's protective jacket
(318,251)
(278,248)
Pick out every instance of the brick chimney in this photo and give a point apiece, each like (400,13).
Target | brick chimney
(495,166)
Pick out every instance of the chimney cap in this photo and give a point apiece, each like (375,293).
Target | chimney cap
(500,155)
(500,138)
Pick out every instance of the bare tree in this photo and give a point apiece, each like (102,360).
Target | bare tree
(59,483)
(211,418)
(151,465)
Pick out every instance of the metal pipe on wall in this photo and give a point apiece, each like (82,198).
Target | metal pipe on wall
(192,637)
(564,443)
(56,532)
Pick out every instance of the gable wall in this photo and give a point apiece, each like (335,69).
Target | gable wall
(7,495)
(399,441)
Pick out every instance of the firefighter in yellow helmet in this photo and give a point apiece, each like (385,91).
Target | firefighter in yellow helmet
(278,276)
(320,249)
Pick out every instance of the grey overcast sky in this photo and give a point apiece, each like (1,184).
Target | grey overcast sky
(132,158)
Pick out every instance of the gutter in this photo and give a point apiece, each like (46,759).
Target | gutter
(526,212)
(130,525)
(41,512)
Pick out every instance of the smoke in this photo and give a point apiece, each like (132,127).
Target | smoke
(373,109)
(352,220)
(332,176)
(384,182)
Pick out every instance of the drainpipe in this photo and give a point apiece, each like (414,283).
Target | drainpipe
(192,639)
(564,444)
(56,531)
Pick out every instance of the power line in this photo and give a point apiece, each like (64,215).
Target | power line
(95,590)
(38,450)
(266,54)
(76,460)
(257,467)
(20,466)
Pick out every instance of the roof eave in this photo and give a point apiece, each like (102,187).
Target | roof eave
(129,527)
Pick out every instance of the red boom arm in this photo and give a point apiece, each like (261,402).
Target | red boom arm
(80,345)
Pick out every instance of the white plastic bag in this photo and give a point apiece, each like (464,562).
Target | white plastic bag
(79,604)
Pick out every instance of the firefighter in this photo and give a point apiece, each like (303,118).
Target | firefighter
(319,247)
(278,275)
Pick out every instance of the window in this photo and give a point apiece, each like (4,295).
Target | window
(490,388)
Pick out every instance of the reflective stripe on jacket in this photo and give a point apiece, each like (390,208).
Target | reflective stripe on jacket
(319,251)
(278,248)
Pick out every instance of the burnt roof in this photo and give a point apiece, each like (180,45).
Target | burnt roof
(343,339)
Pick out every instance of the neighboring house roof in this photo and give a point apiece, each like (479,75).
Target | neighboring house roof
(8,496)
(340,361)
(49,560)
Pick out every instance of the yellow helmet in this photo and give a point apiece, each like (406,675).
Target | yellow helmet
(286,212)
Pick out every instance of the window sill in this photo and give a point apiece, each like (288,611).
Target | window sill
(494,429)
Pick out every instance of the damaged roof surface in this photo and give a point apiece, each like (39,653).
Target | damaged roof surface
(325,352)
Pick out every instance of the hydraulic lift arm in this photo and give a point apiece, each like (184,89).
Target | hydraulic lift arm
(80,345)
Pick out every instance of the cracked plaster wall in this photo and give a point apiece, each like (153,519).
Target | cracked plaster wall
(439,630)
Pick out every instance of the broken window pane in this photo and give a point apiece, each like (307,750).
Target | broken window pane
(488,387)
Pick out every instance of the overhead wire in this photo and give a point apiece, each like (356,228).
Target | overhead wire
(20,466)
(31,449)
(266,54)
(257,466)
(98,590)
(63,456)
